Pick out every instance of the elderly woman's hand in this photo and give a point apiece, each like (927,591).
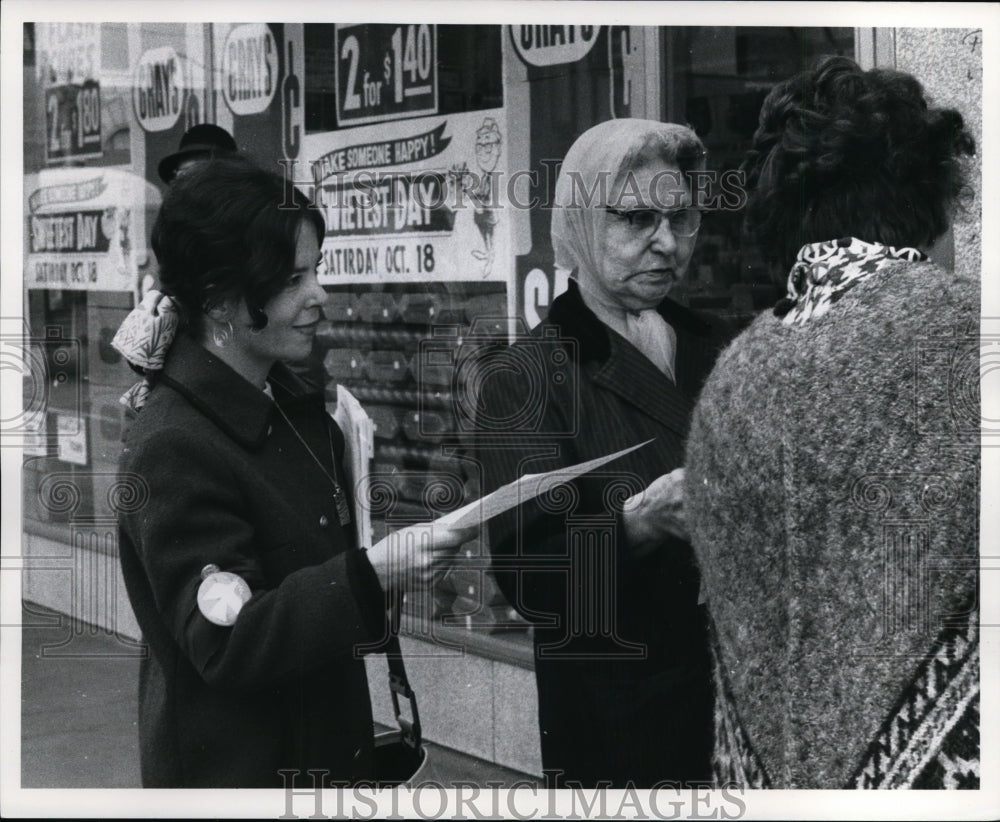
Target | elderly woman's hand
(408,559)
(657,513)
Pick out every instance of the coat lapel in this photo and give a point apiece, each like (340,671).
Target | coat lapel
(630,375)
(617,366)
(240,409)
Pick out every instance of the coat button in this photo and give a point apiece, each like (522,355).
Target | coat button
(323,521)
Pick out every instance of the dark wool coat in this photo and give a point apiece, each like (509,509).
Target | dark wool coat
(832,496)
(621,659)
(226,482)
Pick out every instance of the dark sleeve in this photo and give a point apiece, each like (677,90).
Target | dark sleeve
(528,543)
(196,514)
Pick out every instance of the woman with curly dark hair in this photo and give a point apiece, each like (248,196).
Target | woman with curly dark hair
(832,464)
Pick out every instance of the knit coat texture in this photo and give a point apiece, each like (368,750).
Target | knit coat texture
(832,494)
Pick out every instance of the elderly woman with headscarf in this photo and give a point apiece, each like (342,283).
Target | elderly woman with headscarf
(832,468)
(601,567)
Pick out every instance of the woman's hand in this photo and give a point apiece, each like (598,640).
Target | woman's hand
(408,559)
(657,513)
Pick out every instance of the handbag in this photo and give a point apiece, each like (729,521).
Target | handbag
(400,756)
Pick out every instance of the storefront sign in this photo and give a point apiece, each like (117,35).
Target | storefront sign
(69,57)
(81,228)
(158,89)
(385,72)
(260,68)
(418,201)
(249,69)
(538,291)
(553,45)
(34,444)
(387,203)
(72,439)
(68,233)
(382,153)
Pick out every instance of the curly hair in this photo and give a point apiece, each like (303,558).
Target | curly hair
(227,229)
(843,152)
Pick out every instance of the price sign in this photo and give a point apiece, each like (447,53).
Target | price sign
(69,66)
(73,121)
(385,72)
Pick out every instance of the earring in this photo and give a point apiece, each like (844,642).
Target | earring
(222,336)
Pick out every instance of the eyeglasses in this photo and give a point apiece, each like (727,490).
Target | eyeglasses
(646,221)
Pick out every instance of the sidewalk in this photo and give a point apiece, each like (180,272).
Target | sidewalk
(79,707)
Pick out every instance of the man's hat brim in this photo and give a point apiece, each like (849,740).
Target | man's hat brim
(168,165)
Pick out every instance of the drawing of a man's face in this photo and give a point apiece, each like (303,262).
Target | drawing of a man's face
(488,147)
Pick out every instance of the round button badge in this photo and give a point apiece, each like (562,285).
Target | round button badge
(221,596)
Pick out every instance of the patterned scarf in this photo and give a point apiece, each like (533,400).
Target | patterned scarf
(144,339)
(824,272)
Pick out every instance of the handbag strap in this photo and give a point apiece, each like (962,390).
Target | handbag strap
(399,684)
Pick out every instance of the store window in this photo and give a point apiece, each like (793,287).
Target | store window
(82,237)
(404,123)
(715,80)
(404,135)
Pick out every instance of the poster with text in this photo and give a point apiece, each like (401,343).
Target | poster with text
(81,228)
(419,200)
(69,67)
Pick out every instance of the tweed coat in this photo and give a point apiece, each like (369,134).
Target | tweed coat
(832,497)
(223,480)
(620,653)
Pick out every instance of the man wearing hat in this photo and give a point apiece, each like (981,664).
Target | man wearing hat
(199,142)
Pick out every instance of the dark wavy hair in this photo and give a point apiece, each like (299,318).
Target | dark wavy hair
(228,229)
(843,152)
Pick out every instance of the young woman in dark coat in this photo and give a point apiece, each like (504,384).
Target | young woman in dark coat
(238,553)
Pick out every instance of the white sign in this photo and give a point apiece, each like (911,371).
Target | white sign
(249,69)
(423,200)
(34,443)
(72,435)
(158,89)
(80,227)
(68,52)
(552,45)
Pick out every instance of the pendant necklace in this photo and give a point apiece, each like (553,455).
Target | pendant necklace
(339,498)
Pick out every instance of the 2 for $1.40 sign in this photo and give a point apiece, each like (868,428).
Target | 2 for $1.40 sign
(385,72)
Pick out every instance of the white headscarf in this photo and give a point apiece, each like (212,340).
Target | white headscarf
(578,231)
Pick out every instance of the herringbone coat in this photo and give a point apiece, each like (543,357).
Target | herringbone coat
(621,661)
